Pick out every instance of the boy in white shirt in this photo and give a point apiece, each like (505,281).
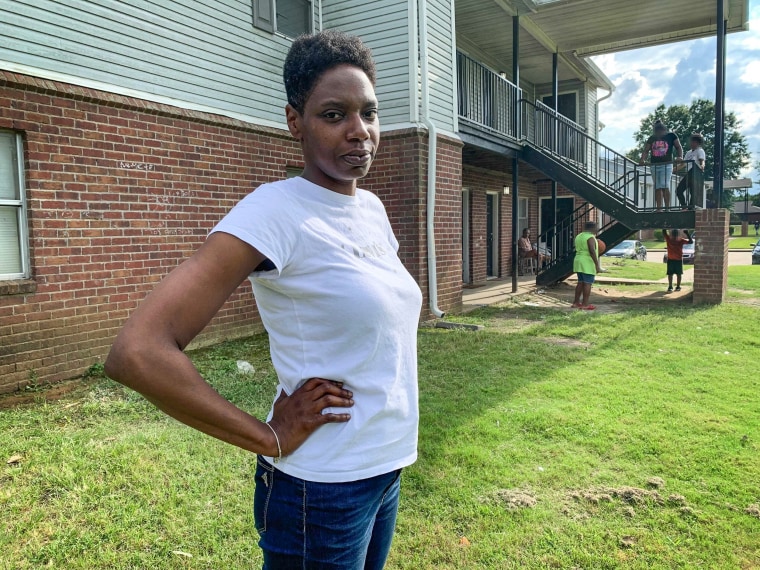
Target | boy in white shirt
(695,166)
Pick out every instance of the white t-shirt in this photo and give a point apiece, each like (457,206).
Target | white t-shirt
(695,155)
(338,305)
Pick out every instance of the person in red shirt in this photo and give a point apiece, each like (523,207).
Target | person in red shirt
(675,255)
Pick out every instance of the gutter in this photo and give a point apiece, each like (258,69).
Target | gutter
(431,166)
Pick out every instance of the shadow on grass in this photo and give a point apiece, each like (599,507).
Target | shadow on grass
(464,374)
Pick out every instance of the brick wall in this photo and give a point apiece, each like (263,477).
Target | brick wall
(711,256)
(399,177)
(479,182)
(121,190)
(448,223)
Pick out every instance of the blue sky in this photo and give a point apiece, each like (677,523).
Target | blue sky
(678,73)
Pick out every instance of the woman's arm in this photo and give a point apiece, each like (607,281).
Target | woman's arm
(591,243)
(679,148)
(147,355)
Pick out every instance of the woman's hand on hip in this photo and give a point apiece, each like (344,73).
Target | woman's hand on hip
(297,416)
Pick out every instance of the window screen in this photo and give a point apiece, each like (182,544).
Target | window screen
(293,17)
(288,17)
(12,225)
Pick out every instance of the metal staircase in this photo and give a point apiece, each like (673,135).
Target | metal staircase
(605,179)
(493,109)
(560,239)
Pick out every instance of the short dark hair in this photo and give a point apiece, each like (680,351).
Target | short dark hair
(311,55)
(590,226)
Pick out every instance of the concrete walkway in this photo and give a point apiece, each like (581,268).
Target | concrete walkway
(495,291)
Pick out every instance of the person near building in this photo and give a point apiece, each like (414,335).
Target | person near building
(757,227)
(342,315)
(526,250)
(675,255)
(661,149)
(693,168)
(586,264)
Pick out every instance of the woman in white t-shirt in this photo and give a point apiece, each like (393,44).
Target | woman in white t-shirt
(694,160)
(341,312)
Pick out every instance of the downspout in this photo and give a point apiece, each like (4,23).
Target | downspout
(596,110)
(431,166)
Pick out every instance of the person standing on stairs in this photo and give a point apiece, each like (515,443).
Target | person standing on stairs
(694,171)
(586,265)
(659,149)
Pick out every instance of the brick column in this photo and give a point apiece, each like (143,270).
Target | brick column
(711,260)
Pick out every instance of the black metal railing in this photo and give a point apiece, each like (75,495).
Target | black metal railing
(564,137)
(486,98)
(631,183)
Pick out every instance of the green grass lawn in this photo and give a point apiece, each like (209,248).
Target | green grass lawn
(653,244)
(743,242)
(652,270)
(539,440)
(744,278)
(733,243)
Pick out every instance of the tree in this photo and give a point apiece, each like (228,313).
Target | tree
(699,116)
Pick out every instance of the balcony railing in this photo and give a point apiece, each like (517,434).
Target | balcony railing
(487,99)
(493,104)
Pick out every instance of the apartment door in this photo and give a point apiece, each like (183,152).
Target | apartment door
(565,207)
(492,234)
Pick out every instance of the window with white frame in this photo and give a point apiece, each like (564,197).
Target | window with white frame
(288,17)
(522,215)
(14,253)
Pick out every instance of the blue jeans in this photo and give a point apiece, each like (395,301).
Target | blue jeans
(305,525)
(662,173)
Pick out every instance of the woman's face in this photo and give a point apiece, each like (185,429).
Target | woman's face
(339,129)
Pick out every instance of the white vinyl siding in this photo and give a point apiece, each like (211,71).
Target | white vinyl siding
(441,63)
(14,253)
(383,26)
(593,121)
(202,52)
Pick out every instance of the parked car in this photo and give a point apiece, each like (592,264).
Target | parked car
(756,254)
(688,252)
(630,249)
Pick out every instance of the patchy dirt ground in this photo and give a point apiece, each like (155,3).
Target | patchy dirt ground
(513,499)
(607,298)
(46,393)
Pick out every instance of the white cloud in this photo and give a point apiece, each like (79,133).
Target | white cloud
(747,112)
(751,73)
(646,77)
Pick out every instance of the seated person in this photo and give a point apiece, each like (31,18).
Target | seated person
(525,248)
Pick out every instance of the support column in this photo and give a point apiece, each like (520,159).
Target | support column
(711,259)
(515,161)
(555,97)
(720,102)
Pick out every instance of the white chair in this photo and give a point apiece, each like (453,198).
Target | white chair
(527,266)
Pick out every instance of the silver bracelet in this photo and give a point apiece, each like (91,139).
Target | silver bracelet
(277,439)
